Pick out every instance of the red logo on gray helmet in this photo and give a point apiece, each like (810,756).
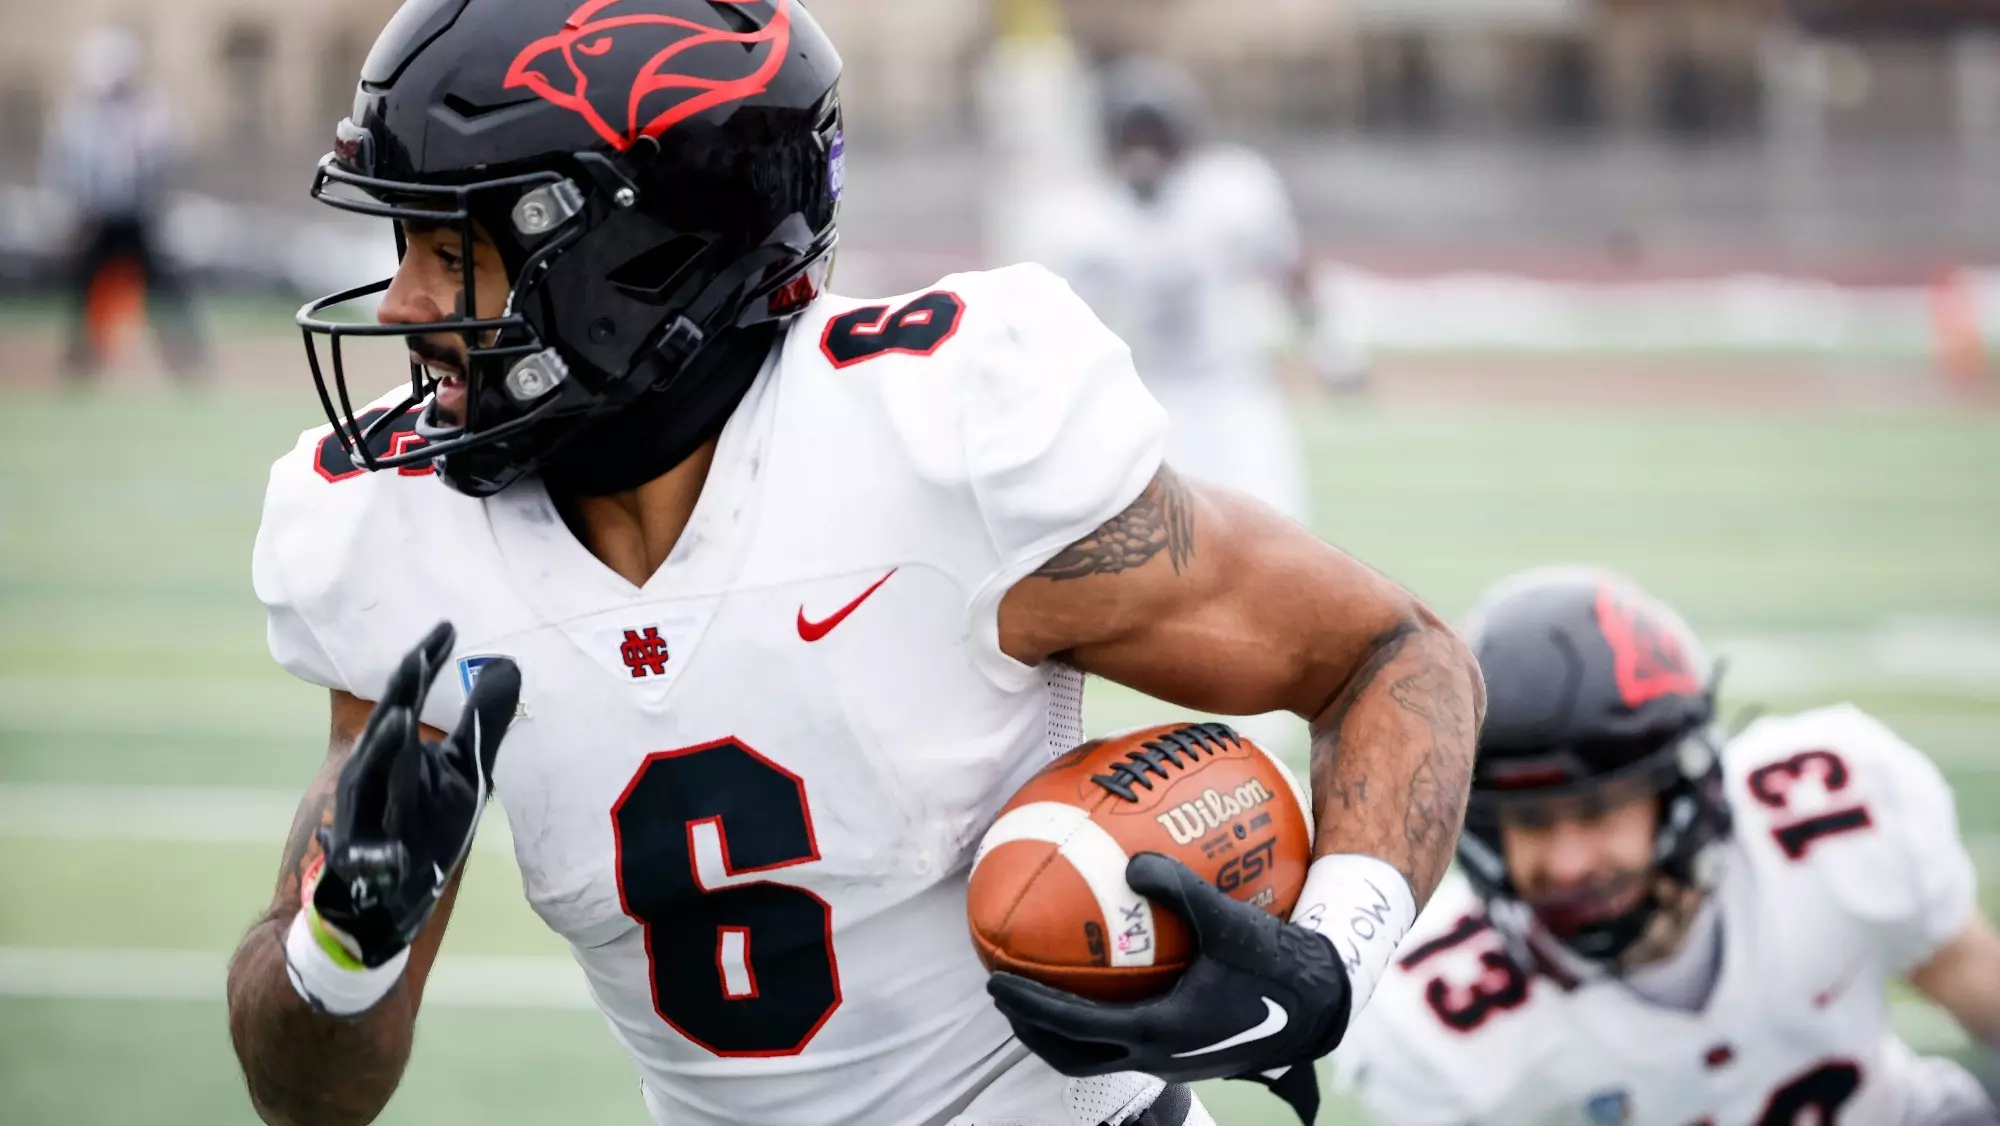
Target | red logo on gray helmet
(613,64)
(1647,657)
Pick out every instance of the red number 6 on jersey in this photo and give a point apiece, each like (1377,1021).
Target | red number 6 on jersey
(771,944)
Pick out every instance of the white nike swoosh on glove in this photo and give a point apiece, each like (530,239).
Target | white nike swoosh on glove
(1272,1024)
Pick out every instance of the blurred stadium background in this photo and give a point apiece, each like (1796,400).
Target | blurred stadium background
(1693,289)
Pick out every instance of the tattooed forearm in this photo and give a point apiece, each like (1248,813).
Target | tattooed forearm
(1435,810)
(1392,754)
(1350,789)
(302,845)
(1162,519)
(302,1068)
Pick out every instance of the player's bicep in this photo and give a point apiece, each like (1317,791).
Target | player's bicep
(1208,599)
(1088,593)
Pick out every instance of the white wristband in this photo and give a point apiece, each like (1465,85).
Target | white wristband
(1364,907)
(332,988)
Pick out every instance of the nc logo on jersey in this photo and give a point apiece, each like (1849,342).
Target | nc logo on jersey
(468,675)
(644,651)
(1608,1108)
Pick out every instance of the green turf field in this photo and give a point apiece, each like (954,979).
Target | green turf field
(149,751)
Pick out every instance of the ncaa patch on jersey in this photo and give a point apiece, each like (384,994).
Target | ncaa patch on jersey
(468,675)
(1608,1108)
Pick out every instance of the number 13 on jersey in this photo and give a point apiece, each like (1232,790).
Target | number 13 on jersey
(740,967)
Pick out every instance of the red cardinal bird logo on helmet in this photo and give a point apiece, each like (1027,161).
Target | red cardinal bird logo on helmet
(578,69)
(1646,656)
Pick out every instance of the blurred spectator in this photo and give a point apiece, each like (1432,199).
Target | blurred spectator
(108,157)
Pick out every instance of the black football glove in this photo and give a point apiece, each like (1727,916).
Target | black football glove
(1262,1000)
(405,808)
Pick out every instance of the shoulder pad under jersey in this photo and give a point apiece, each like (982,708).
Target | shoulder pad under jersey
(343,556)
(1002,391)
(1837,797)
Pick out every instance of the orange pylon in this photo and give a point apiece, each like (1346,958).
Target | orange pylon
(1961,344)
(116,305)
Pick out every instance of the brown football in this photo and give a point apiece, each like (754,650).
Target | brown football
(1049,899)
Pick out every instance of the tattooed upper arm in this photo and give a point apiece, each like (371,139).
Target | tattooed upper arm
(1137,566)
(1162,519)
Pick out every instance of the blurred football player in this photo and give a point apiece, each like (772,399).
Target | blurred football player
(775,597)
(1191,253)
(1663,929)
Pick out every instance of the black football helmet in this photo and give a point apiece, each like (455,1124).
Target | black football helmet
(658,175)
(1593,689)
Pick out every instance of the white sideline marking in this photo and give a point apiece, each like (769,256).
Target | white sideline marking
(1939,652)
(193,814)
(474,983)
(1985,760)
(219,815)
(199,975)
(225,816)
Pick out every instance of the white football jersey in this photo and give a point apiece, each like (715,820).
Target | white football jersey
(1845,871)
(1190,280)
(748,792)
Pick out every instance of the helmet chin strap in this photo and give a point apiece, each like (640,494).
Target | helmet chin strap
(664,425)
(1608,947)
(1606,942)
(1596,954)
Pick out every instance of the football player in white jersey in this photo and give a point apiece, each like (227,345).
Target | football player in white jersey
(775,598)
(1660,930)
(1190,252)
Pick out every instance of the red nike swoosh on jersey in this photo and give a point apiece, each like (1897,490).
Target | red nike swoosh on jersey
(813,631)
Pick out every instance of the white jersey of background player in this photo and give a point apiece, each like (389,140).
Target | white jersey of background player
(1190,252)
(780,580)
(1816,862)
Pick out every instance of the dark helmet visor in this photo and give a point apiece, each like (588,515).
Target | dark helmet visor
(1548,785)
